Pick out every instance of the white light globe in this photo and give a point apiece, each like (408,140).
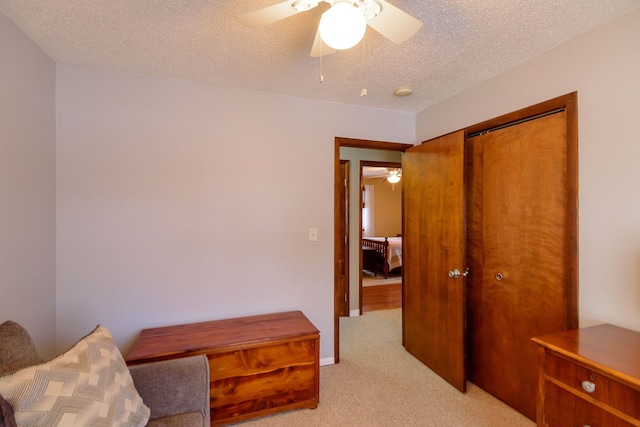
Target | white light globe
(394,179)
(342,26)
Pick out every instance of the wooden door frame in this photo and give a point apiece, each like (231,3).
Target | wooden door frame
(337,239)
(341,293)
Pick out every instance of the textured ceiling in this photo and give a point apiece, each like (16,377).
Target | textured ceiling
(462,43)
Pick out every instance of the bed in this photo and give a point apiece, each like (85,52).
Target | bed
(381,254)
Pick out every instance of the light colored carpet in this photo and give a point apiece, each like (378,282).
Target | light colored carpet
(377,383)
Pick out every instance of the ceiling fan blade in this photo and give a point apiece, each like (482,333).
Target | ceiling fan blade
(395,24)
(268,15)
(319,48)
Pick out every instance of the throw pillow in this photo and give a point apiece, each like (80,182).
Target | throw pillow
(17,350)
(89,384)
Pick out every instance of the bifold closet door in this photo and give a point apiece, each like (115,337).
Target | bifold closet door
(525,255)
(433,297)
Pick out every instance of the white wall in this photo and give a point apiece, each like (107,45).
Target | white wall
(387,206)
(182,202)
(27,186)
(168,191)
(604,67)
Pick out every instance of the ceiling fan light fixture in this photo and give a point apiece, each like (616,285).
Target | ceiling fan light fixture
(370,8)
(304,5)
(394,179)
(394,176)
(342,26)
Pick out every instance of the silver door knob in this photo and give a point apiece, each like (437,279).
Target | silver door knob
(588,386)
(455,273)
(499,276)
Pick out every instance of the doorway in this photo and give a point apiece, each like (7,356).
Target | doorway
(339,228)
(380,278)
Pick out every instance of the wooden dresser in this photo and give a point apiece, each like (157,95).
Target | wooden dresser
(589,377)
(259,365)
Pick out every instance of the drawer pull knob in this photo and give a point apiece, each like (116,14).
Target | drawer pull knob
(588,386)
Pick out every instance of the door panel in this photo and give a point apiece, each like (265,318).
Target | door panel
(342,293)
(525,254)
(433,245)
(475,308)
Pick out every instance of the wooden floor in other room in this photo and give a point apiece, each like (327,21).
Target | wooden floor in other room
(381,297)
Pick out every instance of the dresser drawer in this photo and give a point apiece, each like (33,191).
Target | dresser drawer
(256,380)
(606,390)
(564,409)
(258,360)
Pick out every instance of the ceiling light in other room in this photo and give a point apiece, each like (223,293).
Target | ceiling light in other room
(342,26)
(394,175)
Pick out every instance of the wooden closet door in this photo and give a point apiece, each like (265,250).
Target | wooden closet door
(525,249)
(433,303)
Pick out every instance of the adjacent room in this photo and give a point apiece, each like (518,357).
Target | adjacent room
(381,240)
(173,163)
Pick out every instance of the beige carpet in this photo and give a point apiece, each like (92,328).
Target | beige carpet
(377,383)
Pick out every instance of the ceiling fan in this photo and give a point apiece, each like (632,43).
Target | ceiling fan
(344,15)
(393,175)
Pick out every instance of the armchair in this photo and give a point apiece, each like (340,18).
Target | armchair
(176,391)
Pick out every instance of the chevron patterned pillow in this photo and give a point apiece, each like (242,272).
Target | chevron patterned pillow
(89,384)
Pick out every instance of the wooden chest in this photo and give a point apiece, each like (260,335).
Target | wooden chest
(259,365)
(589,377)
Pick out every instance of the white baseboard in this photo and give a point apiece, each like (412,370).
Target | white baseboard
(327,361)
(331,360)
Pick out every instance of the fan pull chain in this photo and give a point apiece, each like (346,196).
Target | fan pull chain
(363,92)
(321,77)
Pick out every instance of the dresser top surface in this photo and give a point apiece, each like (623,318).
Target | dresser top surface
(221,334)
(606,347)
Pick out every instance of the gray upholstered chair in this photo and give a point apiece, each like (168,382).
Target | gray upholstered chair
(176,391)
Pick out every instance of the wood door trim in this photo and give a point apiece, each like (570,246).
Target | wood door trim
(568,101)
(352,143)
(373,163)
(345,212)
(366,143)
